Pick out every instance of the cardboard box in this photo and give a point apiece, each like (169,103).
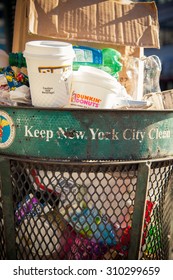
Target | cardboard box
(89,21)
(126,26)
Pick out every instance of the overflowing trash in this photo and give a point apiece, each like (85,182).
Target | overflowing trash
(14,87)
(94,82)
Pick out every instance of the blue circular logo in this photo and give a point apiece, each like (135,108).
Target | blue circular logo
(7,130)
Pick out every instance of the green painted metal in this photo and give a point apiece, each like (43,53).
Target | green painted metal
(139,209)
(171,220)
(8,210)
(76,134)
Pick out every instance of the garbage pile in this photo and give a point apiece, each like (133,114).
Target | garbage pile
(85,78)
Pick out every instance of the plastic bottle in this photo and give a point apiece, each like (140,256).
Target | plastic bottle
(86,56)
(17,60)
(107,59)
(111,61)
(89,222)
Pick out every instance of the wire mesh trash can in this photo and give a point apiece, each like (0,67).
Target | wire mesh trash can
(86,184)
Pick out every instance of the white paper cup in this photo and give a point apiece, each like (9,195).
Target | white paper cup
(93,88)
(49,66)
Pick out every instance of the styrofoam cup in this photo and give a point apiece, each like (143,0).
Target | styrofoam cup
(49,66)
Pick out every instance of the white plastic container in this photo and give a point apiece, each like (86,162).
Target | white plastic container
(95,89)
(49,66)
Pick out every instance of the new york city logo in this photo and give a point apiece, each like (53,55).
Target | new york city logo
(7,130)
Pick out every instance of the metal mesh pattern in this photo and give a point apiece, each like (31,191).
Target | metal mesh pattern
(2,240)
(158,217)
(85,211)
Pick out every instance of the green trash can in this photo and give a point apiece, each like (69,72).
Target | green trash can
(85,184)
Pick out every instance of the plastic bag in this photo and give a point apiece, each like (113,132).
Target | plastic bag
(152,70)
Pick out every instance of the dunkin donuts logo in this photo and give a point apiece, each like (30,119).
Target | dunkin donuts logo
(85,100)
(7,130)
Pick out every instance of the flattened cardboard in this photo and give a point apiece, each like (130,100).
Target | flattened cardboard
(127,27)
(100,21)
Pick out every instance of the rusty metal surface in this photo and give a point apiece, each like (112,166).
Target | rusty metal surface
(86,134)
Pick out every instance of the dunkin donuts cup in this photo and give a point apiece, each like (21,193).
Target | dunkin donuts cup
(49,66)
(94,88)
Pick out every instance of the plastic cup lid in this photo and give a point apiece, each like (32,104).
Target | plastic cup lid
(49,48)
(98,77)
(95,72)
